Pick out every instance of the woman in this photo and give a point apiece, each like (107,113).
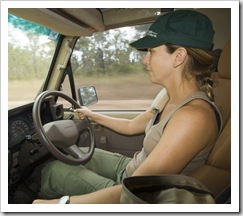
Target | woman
(178,139)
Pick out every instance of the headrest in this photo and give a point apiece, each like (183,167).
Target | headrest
(224,64)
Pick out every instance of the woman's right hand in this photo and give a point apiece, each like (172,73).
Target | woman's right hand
(83,112)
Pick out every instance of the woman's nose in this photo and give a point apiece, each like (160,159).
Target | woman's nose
(146,58)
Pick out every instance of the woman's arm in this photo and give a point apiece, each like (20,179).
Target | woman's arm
(109,195)
(120,125)
(189,131)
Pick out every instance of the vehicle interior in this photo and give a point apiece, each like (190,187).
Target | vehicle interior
(30,122)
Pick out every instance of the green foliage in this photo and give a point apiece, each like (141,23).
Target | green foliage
(108,53)
(27,62)
(29,51)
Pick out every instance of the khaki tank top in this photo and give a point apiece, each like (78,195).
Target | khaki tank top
(153,134)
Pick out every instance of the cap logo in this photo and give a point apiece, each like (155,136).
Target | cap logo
(152,34)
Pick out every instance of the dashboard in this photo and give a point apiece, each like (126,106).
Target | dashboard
(24,149)
(20,124)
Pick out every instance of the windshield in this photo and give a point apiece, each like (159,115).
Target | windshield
(30,51)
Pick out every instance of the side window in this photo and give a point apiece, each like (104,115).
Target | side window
(106,61)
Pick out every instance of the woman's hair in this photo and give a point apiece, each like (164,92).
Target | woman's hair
(198,65)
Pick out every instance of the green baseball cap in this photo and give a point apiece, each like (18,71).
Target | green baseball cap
(186,28)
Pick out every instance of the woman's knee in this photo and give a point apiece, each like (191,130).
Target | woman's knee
(53,178)
(60,179)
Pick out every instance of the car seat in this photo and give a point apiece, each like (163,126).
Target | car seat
(216,172)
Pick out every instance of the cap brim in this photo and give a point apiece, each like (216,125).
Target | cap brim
(146,42)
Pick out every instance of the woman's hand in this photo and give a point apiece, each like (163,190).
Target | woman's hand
(110,195)
(83,112)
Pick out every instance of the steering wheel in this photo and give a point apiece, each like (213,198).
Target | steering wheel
(60,136)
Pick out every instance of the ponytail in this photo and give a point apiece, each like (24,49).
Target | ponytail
(198,65)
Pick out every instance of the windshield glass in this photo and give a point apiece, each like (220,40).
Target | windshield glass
(30,51)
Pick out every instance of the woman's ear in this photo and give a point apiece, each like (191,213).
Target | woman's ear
(180,56)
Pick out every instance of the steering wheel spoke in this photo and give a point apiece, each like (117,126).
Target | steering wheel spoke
(75,152)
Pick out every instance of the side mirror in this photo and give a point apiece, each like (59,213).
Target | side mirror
(87,95)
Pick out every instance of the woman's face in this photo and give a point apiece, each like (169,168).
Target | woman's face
(159,64)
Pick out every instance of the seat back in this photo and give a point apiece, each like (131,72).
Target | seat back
(216,172)
(222,91)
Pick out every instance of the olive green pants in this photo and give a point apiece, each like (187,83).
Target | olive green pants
(102,171)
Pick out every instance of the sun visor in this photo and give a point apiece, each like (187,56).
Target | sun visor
(68,21)
(115,17)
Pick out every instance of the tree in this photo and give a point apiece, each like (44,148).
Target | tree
(108,52)
(28,56)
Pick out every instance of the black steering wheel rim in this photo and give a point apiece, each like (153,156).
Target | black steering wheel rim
(75,155)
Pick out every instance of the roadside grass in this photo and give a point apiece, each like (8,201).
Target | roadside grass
(135,86)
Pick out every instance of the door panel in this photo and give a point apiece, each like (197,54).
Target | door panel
(112,141)
(115,142)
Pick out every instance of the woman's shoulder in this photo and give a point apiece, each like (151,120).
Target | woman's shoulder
(197,107)
(197,112)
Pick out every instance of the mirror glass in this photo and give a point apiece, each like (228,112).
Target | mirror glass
(87,95)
